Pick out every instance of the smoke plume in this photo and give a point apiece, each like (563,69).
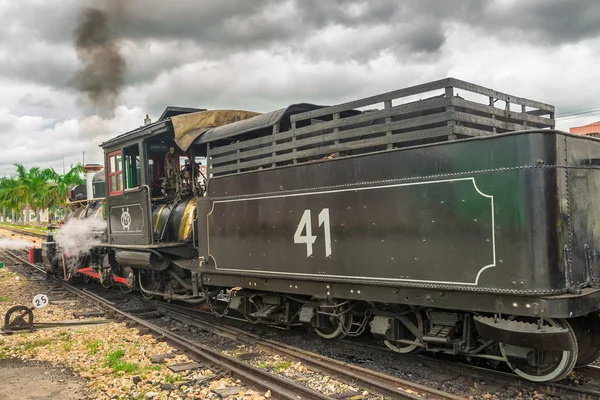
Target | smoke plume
(16,244)
(77,237)
(102,75)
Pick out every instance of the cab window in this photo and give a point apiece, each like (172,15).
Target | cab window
(132,167)
(115,173)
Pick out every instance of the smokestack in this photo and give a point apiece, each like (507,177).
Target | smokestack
(90,171)
(147,120)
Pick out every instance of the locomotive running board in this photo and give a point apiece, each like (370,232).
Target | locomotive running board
(523,334)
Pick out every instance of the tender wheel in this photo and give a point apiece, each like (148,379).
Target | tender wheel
(334,327)
(417,319)
(553,364)
(253,308)
(587,332)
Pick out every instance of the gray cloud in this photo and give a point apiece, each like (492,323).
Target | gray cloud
(30,100)
(191,30)
(264,54)
(549,22)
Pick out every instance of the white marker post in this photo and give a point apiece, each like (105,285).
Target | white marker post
(40,300)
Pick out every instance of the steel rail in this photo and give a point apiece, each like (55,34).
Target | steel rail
(592,371)
(24,232)
(280,387)
(500,377)
(376,382)
(467,369)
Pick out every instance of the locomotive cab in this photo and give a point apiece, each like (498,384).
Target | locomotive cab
(153,176)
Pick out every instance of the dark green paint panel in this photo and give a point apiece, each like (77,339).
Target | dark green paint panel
(391,227)
(545,186)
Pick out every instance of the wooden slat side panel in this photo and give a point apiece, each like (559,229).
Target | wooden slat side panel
(488,122)
(327,131)
(532,120)
(413,123)
(471,87)
(421,106)
(365,143)
(413,90)
(367,101)
(464,131)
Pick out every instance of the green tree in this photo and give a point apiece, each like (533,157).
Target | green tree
(33,188)
(59,185)
(9,196)
(38,189)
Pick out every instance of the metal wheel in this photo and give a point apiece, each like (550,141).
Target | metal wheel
(18,318)
(335,327)
(253,308)
(105,277)
(106,283)
(587,332)
(128,288)
(417,319)
(555,364)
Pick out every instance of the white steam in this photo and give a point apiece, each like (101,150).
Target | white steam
(9,244)
(77,237)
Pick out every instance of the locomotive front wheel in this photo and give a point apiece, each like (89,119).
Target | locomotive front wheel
(553,365)
(587,332)
(128,288)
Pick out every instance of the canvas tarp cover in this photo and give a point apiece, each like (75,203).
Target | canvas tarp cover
(188,127)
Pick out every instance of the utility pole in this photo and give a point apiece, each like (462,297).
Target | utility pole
(83,160)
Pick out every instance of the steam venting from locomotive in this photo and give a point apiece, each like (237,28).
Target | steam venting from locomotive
(15,244)
(77,237)
(101,77)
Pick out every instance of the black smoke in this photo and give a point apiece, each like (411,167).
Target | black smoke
(101,78)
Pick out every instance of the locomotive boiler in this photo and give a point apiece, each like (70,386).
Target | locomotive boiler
(445,217)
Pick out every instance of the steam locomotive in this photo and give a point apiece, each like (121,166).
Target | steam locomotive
(445,217)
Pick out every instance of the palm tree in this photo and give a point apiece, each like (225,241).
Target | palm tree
(59,185)
(10,197)
(32,187)
(37,188)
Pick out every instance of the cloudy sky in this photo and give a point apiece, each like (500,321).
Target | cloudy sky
(72,76)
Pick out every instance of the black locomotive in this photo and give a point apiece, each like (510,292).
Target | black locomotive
(448,217)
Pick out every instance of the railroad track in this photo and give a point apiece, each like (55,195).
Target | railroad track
(280,387)
(375,382)
(593,371)
(24,232)
(186,315)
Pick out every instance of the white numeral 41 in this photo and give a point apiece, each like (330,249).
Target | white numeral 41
(305,226)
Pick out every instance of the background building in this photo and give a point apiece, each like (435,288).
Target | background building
(592,129)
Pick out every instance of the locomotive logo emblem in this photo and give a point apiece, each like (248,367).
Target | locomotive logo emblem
(125,218)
